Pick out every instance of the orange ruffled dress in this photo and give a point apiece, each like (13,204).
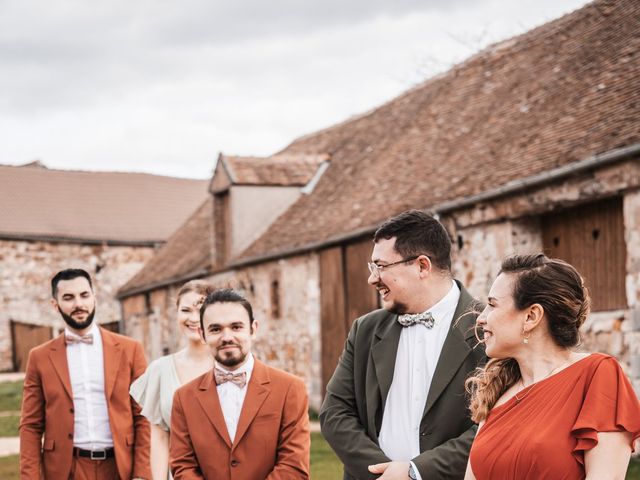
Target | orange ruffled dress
(545,434)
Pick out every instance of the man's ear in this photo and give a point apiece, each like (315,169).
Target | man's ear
(54,305)
(254,328)
(425,264)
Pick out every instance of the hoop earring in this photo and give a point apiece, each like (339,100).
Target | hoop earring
(525,336)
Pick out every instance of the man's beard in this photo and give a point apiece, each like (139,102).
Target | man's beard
(232,360)
(396,307)
(68,319)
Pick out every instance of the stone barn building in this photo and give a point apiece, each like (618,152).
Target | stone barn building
(532,144)
(105,222)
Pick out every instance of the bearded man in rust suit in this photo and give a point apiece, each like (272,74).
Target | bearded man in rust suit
(76,394)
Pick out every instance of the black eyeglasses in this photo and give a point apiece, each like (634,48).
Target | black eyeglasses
(375,269)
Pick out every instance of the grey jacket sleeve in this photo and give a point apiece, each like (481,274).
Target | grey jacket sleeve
(340,422)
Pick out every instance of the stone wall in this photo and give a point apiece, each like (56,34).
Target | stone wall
(481,248)
(487,233)
(26,269)
(288,338)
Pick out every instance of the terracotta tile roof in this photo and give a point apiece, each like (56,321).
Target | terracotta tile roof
(116,207)
(185,255)
(555,95)
(283,170)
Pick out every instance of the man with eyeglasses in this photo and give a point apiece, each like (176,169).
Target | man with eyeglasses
(396,407)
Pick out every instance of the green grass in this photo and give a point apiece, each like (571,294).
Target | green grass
(633,473)
(324,463)
(10,468)
(10,396)
(9,426)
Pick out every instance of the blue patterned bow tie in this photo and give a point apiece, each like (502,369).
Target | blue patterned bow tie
(409,319)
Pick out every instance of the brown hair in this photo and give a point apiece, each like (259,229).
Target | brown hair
(225,295)
(197,286)
(418,233)
(559,289)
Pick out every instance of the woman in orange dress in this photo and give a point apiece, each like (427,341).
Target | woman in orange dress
(546,411)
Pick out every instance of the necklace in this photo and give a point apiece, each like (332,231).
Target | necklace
(533,385)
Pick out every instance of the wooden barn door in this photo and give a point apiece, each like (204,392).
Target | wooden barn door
(344,296)
(24,337)
(591,238)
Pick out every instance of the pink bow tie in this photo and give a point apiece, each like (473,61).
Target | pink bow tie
(240,379)
(70,339)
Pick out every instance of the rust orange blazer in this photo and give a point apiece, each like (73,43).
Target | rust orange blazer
(272,439)
(47,408)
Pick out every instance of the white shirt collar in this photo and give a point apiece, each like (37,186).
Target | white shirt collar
(446,303)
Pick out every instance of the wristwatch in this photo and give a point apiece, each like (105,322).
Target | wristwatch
(412,473)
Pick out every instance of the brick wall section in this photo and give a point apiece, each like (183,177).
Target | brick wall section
(26,269)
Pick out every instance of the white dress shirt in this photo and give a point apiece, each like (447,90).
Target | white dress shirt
(232,397)
(91,430)
(418,352)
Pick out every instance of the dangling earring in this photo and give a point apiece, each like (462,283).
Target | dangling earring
(525,336)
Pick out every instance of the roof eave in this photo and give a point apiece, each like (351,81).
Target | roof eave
(122,294)
(30,237)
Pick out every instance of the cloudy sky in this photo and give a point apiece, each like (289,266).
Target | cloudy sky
(162,86)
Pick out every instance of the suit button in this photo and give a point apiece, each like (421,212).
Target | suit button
(234,463)
(70,435)
(71,410)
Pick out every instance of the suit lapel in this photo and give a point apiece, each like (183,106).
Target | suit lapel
(257,392)
(210,402)
(455,348)
(112,353)
(384,353)
(58,356)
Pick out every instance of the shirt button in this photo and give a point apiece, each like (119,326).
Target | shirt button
(234,463)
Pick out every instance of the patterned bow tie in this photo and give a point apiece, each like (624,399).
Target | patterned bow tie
(71,339)
(409,319)
(240,379)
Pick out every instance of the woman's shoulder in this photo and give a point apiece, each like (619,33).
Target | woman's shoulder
(161,362)
(596,361)
(159,367)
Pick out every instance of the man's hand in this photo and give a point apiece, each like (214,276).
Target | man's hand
(391,470)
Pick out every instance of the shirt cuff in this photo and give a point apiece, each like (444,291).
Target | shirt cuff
(415,469)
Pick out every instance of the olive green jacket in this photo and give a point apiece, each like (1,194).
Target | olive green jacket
(351,414)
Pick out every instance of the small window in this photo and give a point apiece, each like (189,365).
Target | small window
(275,299)
(222,226)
